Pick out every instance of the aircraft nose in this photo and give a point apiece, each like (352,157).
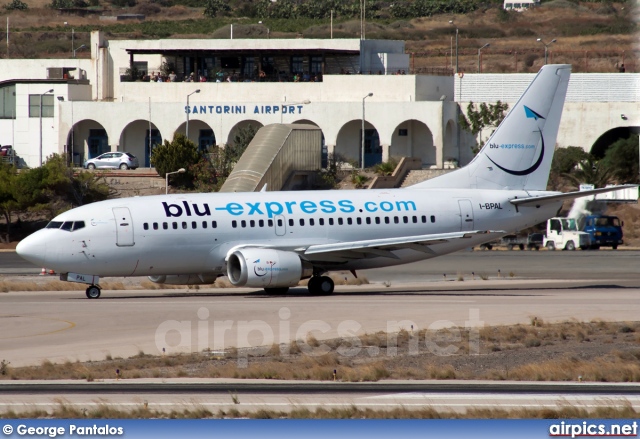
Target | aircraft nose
(33,249)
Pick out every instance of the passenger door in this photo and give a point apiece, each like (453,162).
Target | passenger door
(124,227)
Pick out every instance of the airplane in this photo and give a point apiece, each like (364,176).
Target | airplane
(272,240)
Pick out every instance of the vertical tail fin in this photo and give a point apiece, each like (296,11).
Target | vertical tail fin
(518,155)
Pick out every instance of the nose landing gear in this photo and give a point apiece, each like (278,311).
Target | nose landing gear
(93,292)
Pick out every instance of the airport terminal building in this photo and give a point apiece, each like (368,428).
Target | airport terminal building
(115,102)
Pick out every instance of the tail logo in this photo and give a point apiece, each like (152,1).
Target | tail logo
(535,166)
(531,114)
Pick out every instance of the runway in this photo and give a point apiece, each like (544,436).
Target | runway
(253,395)
(61,326)
(553,286)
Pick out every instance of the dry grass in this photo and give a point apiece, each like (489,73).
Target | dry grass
(103,411)
(592,351)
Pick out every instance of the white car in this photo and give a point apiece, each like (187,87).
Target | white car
(122,160)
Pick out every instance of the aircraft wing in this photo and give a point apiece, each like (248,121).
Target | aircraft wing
(545,199)
(384,247)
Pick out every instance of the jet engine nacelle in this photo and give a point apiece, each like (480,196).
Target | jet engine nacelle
(266,268)
(184,279)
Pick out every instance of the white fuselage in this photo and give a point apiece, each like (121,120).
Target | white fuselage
(194,233)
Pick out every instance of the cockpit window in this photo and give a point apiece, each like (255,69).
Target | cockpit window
(78,225)
(54,225)
(67,225)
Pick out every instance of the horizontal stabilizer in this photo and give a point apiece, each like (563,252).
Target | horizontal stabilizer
(546,199)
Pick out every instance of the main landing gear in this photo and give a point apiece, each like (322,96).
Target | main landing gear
(93,292)
(320,285)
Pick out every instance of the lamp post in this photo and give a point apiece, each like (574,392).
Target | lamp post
(362,145)
(189,110)
(546,48)
(268,31)
(305,102)
(75,50)
(42,94)
(453,24)
(479,52)
(166,179)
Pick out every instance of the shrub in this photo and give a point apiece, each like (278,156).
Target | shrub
(386,168)
(171,156)
(16,5)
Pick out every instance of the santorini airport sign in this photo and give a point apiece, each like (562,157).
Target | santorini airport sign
(243,109)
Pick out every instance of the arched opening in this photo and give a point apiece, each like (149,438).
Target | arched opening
(200,133)
(240,125)
(449,151)
(413,138)
(324,152)
(139,138)
(86,139)
(349,143)
(608,138)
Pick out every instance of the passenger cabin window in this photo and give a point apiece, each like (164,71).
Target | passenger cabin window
(433,219)
(349,221)
(194,225)
(215,224)
(243,224)
(144,226)
(261,223)
(204,224)
(290,222)
(330,221)
(252,223)
(339,221)
(184,224)
(175,225)
(301,222)
(321,221)
(155,226)
(165,226)
(234,224)
(311,222)
(270,223)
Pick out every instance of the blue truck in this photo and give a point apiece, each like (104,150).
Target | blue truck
(605,230)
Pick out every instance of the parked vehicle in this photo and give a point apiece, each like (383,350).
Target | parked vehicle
(531,242)
(121,160)
(563,233)
(535,241)
(604,230)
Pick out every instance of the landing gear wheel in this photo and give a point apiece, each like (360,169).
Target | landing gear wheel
(321,285)
(276,290)
(551,246)
(93,292)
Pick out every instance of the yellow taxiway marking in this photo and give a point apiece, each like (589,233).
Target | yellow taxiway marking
(69,323)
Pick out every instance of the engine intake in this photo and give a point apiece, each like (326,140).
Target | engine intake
(265,268)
